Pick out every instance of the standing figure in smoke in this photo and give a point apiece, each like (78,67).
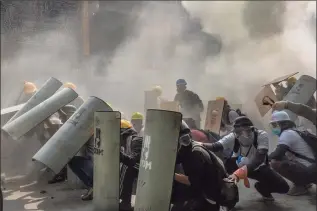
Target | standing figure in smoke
(190,104)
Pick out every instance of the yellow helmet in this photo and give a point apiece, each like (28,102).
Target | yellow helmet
(291,80)
(125,124)
(220,98)
(158,90)
(29,87)
(69,85)
(136,115)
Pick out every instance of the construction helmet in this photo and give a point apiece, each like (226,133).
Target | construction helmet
(29,87)
(158,90)
(125,124)
(291,80)
(136,115)
(220,98)
(181,82)
(69,85)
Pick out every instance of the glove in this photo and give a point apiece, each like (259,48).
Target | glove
(279,105)
(242,173)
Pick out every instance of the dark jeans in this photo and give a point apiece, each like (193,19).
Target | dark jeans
(127,177)
(268,180)
(83,167)
(296,172)
(182,193)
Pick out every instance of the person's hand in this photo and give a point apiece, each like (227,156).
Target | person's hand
(278,106)
(233,178)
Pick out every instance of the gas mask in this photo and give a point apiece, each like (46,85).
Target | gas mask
(184,140)
(245,135)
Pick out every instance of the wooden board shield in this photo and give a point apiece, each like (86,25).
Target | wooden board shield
(150,100)
(170,106)
(280,79)
(214,114)
(265,94)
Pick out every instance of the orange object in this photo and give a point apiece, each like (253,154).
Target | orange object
(242,173)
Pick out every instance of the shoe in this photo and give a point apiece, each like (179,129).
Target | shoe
(88,196)
(297,190)
(265,196)
(124,206)
(57,179)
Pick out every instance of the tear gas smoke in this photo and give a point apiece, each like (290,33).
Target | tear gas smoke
(261,41)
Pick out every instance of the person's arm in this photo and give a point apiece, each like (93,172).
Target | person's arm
(181,178)
(226,142)
(196,178)
(136,148)
(261,152)
(302,110)
(279,152)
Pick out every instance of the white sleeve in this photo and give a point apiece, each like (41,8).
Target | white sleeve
(228,141)
(263,140)
(287,138)
(232,116)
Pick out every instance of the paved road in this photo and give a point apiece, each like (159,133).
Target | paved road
(19,196)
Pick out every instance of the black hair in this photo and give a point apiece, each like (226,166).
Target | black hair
(286,124)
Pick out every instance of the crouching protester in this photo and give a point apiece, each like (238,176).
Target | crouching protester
(199,188)
(295,154)
(250,158)
(131,146)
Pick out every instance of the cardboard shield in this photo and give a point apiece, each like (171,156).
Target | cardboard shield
(214,115)
(265,99)
(280,79)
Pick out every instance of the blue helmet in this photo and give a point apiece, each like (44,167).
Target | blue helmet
(181,82)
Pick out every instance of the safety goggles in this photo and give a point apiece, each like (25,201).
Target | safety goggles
(274,124)
(184,140)
(244,131)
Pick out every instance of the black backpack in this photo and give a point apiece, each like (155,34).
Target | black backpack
(311,141)
(229,195)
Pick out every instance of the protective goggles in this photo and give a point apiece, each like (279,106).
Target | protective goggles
(274,124)
(242,131)
(185,140)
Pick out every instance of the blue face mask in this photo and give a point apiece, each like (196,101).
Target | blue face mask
(276,131)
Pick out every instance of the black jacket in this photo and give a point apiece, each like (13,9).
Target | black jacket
(201,171)
(189,99)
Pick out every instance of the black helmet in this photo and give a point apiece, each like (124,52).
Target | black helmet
(242,121)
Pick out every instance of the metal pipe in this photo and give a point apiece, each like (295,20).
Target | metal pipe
(158,159)
(106,161)
(23,124)
(70,138)
(47,90)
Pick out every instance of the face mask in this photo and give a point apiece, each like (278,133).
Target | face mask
(245,140)
(276,131)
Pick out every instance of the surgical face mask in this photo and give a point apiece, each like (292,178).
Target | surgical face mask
(276,131)
(275,128)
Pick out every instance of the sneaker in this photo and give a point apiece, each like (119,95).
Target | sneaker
(265,196)
(297,190)
(57,179)
(88,196)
